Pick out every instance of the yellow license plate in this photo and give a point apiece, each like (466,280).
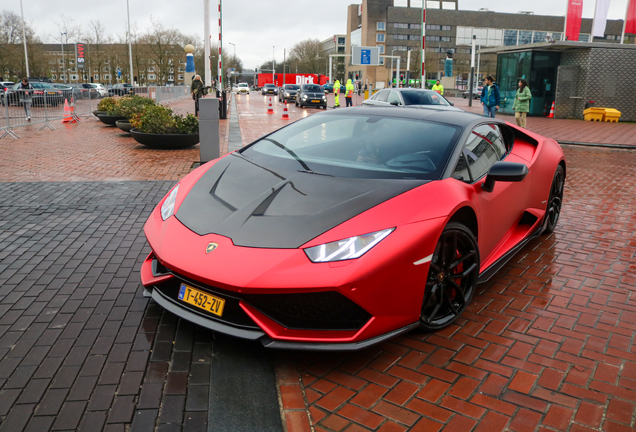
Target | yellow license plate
(201,299)
(315,101)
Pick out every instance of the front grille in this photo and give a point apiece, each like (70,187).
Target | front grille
(327,310)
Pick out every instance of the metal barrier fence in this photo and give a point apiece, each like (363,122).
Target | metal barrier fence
(43,105)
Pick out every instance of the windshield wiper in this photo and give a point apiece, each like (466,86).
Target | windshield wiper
(295,156)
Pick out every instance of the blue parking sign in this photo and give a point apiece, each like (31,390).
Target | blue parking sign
(118,72)
(366,56)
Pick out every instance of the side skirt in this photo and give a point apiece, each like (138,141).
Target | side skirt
(497,265)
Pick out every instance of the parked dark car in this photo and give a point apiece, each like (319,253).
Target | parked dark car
(120,89)
(4,86)
(328,88)
(269,89)
(288,92)
(311,95)
(41,90)
(67,90)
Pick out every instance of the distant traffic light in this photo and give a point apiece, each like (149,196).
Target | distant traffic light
(356,77)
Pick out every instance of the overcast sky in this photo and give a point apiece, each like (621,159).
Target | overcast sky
(255,26)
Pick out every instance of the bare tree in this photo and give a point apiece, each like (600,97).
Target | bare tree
(12,62)
(309,56)
(164,51)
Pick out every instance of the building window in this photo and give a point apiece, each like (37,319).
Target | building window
(96,76)
(341,50)
(446,28)
(74,77)
(379,37)
(445,39)
(151,76)
(341,41)
(106,76)
(105,69)
(381,26)
(381,48)
(510,37)
(525,37)
(557,36)
(61,61)
(400,48)
(401,25)
(54,76)
(180,77)
(433,27)
(584,37)
(539,37)
(485,36)
(415,26)
(432,38)
(356,37)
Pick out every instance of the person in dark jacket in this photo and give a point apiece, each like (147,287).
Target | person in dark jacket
(490,97)
(26,91)
(198,91)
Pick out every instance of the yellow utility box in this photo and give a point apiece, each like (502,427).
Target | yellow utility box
(611,115)
(594,114)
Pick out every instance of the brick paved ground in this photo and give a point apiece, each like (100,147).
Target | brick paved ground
(547,345)
(80,347)
(92,151)
(568,130)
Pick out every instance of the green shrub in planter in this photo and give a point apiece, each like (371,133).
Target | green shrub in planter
(158,119)
(129,106)
(107,104)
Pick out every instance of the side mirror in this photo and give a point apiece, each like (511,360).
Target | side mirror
(395,103)
(505,172)
(451,103)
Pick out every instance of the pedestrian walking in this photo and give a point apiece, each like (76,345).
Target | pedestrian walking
(490,97)
(439,88)
(26,91)
(349,93)
(521,106)
(336,94)
(198,91)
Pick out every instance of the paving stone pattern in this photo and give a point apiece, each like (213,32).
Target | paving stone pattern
(80,348)
(547,345)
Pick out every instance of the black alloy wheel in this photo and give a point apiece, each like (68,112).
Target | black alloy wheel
(553,211)
(452,277)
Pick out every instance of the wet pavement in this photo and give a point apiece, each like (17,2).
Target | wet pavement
(548,343)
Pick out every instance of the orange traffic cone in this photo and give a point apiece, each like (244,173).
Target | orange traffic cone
(68,116)
(545,109)
(551,111)
(270,109)
(285,113)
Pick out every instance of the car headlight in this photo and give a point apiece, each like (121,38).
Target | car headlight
(286,94)
(324,98)
(351,248)
(304,96)
(167,209)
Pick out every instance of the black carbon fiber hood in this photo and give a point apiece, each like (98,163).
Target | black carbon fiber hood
(271,208)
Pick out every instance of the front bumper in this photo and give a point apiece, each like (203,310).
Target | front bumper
(277,296)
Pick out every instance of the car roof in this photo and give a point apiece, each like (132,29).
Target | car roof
(456,118)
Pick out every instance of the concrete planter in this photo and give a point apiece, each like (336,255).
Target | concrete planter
(123,125)
(110,119)
(165,141)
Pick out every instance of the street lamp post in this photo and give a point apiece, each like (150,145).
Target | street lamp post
(472,72)
(129,46)
(26,54)
(63,62)
(234,45)
(391,77)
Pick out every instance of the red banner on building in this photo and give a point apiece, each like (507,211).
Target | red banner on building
(575,14)
(630,19)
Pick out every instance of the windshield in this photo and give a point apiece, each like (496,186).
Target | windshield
(242,85)
(268,85)
(291,87)
(423,98)
(358,146)
(312,88)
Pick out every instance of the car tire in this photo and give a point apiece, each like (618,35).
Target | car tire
(452,277)
(463,96)
(553,209)
(296,104)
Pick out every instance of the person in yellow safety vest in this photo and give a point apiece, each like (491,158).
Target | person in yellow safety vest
(438,88)
(336,93)
(349,93)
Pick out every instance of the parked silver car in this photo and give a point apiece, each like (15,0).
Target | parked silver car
(411,97)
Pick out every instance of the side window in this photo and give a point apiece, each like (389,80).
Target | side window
(381,96)
(480,152)
(497,141)
(461,170)
(394,97)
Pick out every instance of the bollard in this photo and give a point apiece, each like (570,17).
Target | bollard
(208,129)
